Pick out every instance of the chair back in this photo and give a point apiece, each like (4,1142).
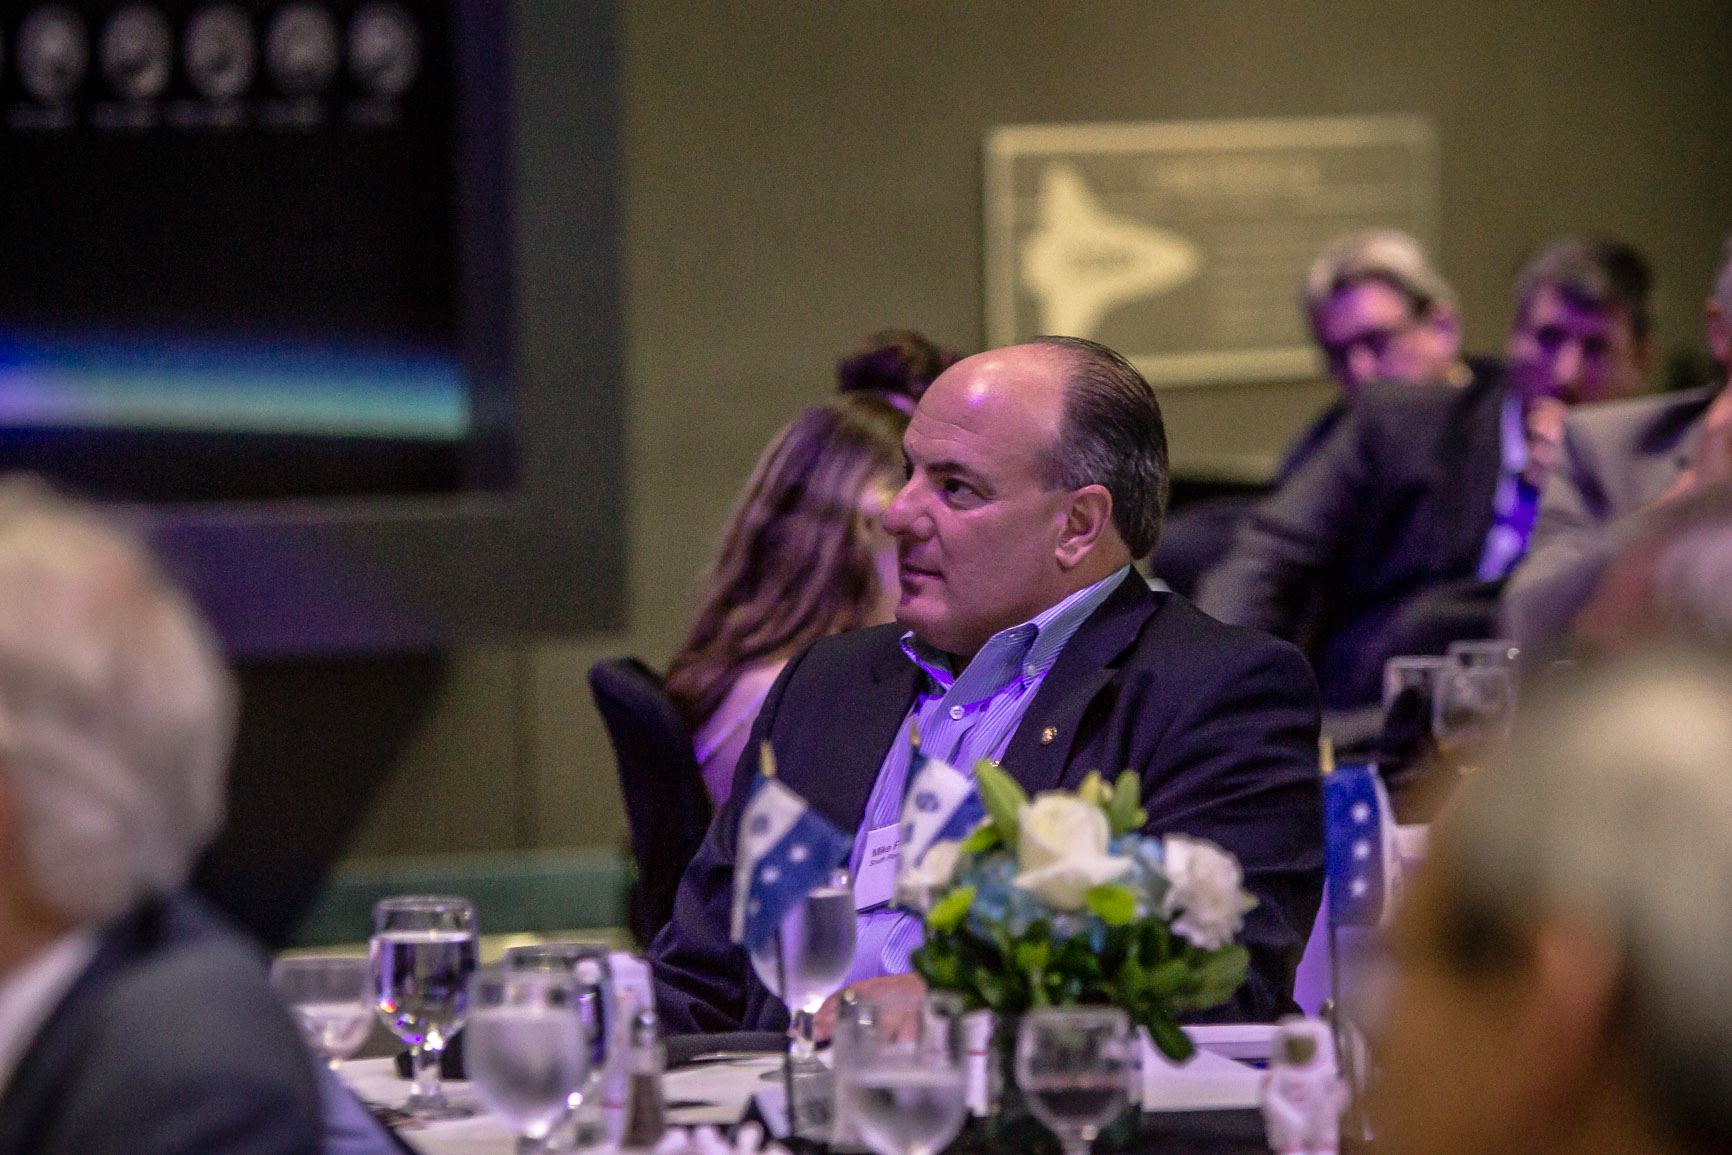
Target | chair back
(666,802)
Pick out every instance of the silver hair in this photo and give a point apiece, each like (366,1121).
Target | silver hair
(117,713)
(1614,804)
(1388,256)
(1723,281)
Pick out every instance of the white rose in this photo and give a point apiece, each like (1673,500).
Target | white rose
(916,886)
(1061,846)
(1205,887)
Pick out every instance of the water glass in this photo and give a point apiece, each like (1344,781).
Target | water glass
(1484,652)
(817,944)
(904,1083)
(526,1049)
(1074,1066)
(1472,713)
(1414,675)
(423,953)
(331,998)
(586,963)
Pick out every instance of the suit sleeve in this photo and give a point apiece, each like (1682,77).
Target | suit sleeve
(1238,766)
(701,976)
(1567,554)
(1291,538)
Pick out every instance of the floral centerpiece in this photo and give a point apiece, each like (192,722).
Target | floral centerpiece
(1062,901)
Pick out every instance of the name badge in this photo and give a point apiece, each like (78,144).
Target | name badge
(877,880)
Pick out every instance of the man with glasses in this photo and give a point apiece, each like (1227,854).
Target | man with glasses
(1396,531)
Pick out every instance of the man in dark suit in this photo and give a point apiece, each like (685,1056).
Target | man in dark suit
(1617,462)
(1394,537)
(132,1018)
(1037,473)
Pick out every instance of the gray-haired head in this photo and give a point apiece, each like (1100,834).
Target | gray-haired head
(116,711)
(1613,806)
(1723,281)
(1111,434)
(1388,256)
(1592,274)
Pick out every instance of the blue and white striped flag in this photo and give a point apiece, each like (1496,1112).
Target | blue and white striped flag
(1364,869)
(941,802)
(786,851)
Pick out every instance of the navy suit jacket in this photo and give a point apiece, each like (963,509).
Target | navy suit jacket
(1393,508)
(1220,722)
(170,1042)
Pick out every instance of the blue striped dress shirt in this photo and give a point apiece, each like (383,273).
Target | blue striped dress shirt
(962,718)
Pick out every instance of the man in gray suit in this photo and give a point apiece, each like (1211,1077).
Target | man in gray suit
(1617,460)
(132,1017)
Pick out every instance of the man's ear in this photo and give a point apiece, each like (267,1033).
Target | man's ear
(1566,1018)
(1088,515)
(1719,330)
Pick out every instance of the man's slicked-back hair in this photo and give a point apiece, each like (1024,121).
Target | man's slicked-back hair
(1111,434)
(1593,274)
(1389,257)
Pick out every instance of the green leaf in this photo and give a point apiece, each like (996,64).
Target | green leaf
(1215,979)
(1124,813)
(1168,978)
(1168,1036)
(1116,904)
(1003,797)
(982,838)
(950,909)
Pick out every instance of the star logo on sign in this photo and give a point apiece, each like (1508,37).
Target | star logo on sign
(908,832)
(769,875)
(798,852)
(760,825)
(1359,887)
(1361,812)
(1362,850)
(926,802)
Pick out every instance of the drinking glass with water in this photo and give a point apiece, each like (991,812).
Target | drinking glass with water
(423,952)
(1074,1066)
(817,941)
(526,1049)
(331,999)
(586,963)
(904,1077)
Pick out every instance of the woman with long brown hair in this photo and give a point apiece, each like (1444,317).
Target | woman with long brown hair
(803,556)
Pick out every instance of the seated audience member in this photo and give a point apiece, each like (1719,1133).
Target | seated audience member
(1392,538)
(897,365)
(1036,476)
(1379,312)
(1561,974)
(132,1017)
(804,556)
(1617,460)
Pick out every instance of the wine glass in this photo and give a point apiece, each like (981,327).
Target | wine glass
(1074,1066)
(423,952)
(1471,713)
(586,963)
(1484,652)
(331,998)
(904,1078)
(817,941)
(525,1048)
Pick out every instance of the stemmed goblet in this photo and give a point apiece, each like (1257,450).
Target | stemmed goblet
(423,952)
(904,1079)
(331,999)
(817,942)
(1074,1066)
(526,1048)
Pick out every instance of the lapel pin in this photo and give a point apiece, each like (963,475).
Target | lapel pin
(1047,735)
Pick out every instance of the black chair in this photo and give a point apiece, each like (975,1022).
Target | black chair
(665,799)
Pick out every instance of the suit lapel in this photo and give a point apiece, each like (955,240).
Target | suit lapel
(1040,749)
(1469,466)
(847,750)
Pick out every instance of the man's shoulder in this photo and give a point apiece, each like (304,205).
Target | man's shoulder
(852,650)
(1182,638)
(1397,406)
(1640,425)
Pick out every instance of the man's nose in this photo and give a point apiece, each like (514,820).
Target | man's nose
(899,516)
(1567,369)
(1361,366)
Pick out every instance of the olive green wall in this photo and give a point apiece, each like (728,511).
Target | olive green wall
(798,174)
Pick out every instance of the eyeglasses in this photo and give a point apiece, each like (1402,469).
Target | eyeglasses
(1375,341)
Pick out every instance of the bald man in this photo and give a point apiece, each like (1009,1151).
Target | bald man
(1036,475)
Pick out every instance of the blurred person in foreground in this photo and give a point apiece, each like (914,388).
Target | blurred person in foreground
(1395,535)
(132,1017)
(1562,965)
(1616,462)
(805,555)
(1036,474)
(1379,311)
(897,365)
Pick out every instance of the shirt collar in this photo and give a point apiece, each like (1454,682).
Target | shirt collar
(29,993)
(1027,650)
